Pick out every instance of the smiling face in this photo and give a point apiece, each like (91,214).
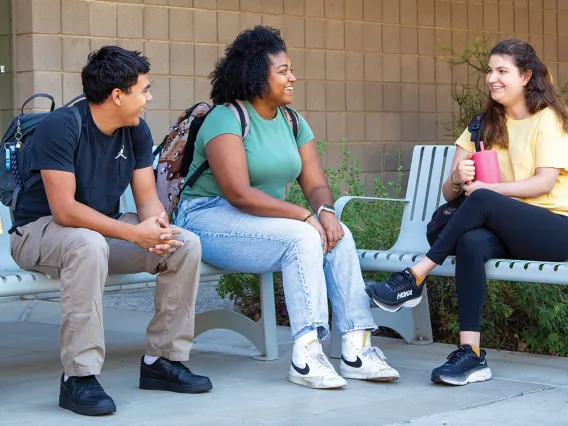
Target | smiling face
(132,104)
(505,81)
(281,80)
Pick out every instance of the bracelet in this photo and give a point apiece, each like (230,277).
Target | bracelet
(307,217)
(456,187)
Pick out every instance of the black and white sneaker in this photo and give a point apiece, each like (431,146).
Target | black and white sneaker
(398,291)
(463,367)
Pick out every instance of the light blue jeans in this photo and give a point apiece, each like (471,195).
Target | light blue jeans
(237,241)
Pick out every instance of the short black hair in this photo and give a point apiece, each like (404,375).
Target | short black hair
(244,70)
(109,68)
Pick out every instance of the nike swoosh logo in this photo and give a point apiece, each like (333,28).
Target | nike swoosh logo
(303,371)
(355,364)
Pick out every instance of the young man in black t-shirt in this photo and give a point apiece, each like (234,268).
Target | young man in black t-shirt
(68,225)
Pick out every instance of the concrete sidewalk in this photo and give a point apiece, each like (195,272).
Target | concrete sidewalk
(526,389)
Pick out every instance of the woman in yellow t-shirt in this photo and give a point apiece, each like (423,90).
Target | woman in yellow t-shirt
(524,217)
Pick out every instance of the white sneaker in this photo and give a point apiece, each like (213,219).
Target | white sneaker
(364,362)
(311,368)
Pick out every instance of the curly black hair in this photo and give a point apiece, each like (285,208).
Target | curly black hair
(243,72)
(109,68)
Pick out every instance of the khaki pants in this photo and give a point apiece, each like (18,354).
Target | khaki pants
(82,259)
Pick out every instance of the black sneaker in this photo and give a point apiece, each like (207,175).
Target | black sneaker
(462,367)
(171,376)
(400,290)
(85,395)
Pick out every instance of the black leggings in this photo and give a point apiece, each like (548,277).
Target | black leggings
(489,225)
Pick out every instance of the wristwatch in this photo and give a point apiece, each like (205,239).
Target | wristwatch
(327,208)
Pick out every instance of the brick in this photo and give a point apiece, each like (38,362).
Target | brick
(392,97)
(426,41)
(103,19)
(336,128)
(391,38)
(372,10)
(202,89)
(317,121)
(182,93)
(391,68)
(373,97)
(335,96)
(45,16)
(46,52)
(272,6)
(205,24)
(563,49)
(181,3)
(294,7)
(251,5)
(129,44)
(445,124)
(368,154)
(297,56)
(335,65)
(299,102)
(315,33)
(292,31)
(410,98)
(535,4)
(355,96)
(315,96)
(409,40)
(275,21)
(181,25)
(475,16)
(507,2)
(426,70)
(334,9)
(426,14)
(537,42)
(314,8)
(354,10)
(373,126)
(355,126)
(410,127)
(562,74)
(205,4)
(392,130)
(46,82)
(181,59)
(491,17)
(427,127)
(562,22)
(205,58)
(25,49)
(75,17)
(536,21)
(74,52)
(506,19)
(550,48)
(354,66)
(334,35)
(408,69)
(315,65)
(391,11)
(97,43)
(443,71)
(72,86)
(459,15)
(131,19)
(229,26)
(249,20)
(443,17)
(228,4)
(550,26)
(372,37)
(427,98)
(521,21)
(160,93)
(156,2)
(353,36)
(373,67)
(409,12)
(158,121)
(159,55)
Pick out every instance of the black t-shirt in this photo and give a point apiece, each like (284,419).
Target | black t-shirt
(102,164)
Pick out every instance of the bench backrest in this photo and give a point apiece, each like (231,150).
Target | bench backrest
(429,168)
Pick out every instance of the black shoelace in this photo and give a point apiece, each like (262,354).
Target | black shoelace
(179,367)
(90,386)
(458,356)
(399,280)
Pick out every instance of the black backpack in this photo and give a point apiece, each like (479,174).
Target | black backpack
(16,146)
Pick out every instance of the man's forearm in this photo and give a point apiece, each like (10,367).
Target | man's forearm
(150,208)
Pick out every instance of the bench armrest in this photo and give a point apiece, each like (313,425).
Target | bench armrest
(342,202)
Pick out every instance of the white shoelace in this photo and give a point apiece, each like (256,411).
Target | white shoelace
(321,363)
(375,355)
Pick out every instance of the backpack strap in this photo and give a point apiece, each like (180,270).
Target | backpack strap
(293,120)
(240,110)
(476,128)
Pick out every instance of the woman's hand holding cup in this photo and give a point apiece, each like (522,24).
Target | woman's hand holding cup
(465,171)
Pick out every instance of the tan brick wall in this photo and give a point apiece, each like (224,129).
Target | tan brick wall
(5,66)
(370,71)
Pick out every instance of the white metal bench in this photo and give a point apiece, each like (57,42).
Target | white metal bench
(262,333)
(429,168)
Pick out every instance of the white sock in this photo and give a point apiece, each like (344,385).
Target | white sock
(149,360)
(306,338)
(353,340)
(65,378)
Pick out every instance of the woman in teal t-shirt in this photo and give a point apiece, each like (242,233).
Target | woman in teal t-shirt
(237,209)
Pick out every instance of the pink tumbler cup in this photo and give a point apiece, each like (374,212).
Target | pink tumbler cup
(486,166)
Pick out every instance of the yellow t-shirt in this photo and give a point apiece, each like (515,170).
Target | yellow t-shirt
(536,141)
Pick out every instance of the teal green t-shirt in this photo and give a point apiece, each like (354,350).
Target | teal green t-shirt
(272,153)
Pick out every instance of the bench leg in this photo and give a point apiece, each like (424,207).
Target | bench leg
(412,324)
(268,318)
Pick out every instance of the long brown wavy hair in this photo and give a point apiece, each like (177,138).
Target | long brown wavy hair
(540,92)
